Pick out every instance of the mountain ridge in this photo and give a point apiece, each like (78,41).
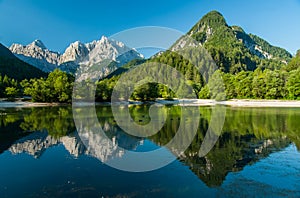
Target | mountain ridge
(76,54)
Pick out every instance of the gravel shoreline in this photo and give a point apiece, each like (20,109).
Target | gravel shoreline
(181,102)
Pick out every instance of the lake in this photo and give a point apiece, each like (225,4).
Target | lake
(42,154)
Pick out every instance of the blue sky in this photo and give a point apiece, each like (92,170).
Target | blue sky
(60,22)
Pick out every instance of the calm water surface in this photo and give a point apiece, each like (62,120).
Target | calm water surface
(43,155)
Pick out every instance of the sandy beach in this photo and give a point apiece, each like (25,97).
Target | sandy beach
(262,103)
(181,102)
(233,103)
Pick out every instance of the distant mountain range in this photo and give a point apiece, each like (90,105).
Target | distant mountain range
(230,46)
(77,54)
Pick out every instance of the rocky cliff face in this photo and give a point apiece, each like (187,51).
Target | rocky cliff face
(76,55)
(76,52)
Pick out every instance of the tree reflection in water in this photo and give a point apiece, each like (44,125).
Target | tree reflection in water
(249,134)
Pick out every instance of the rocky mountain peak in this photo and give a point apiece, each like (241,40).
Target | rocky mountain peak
(38,43)
(103,39)
(36,54)
(106,48)
(76,52)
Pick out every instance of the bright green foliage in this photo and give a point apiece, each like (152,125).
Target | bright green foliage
(259,84)
(243,84)
(183,66)
(275,84)
(152,90)
(11,92)
(56,88)
(8,87)
(294,64)
(105,88)
(204,93)
(146,92)
(229,81)
(293,85)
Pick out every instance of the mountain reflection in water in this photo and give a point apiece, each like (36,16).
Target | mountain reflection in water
(249,135)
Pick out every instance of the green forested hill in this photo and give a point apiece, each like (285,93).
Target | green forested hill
(14,68)
(233,49)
